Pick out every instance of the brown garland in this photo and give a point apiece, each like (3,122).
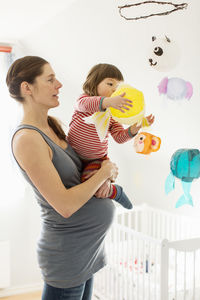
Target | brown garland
(176,7)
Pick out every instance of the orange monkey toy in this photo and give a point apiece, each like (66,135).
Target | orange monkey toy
(145,143)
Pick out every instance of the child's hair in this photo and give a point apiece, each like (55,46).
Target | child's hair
(27,69)
(97,74)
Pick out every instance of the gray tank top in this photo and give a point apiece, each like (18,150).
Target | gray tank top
(70,250)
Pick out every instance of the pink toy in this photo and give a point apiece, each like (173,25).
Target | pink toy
(175,88)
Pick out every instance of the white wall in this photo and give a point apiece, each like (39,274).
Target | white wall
(20,225)
(89,32)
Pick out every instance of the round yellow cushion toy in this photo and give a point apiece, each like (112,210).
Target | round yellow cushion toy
(135,114)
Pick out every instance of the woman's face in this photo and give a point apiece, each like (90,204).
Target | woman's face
(46,87)
(107,86)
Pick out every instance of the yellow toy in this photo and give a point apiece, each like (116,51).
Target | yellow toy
(135,114)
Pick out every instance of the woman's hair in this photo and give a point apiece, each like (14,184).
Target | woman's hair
(27,69)
(97,74)
(57,128)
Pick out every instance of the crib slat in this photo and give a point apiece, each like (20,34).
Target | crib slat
(175,274)
(150,269)
(194,283)
(184,276)
(155,271)
(164,270)
(143,266)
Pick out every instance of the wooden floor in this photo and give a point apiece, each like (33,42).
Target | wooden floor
(30,296)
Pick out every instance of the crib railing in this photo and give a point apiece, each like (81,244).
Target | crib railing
(148,250)
(158,223)
(185,255)
(132,268)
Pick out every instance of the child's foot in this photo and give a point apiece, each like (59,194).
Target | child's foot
(121,197)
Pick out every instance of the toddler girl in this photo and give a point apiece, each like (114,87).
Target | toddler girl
(100,83)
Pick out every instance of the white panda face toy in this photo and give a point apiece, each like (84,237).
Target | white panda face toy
(164,54)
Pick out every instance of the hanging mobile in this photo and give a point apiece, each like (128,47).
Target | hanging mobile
(175,8)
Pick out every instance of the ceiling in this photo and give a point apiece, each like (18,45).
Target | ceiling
(20,17)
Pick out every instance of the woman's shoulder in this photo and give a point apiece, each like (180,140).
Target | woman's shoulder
(24,134)
(29,148)
(26,139)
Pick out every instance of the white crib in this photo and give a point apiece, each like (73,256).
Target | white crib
(152,255)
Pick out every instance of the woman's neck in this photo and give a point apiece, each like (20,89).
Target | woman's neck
(37,118)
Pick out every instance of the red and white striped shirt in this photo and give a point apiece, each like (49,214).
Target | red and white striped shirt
(83,137)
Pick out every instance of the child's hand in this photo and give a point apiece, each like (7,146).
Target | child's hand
(150,119)
(117,102)
(135,128)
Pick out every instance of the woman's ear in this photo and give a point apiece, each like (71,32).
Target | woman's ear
(25,88)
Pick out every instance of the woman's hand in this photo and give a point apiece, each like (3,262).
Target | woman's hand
(110,169)
(104,190)
(117,102)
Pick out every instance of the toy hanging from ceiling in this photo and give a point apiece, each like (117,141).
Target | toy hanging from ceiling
(164,53)
(145,143)
(175,7)
(184,165)
(175,88)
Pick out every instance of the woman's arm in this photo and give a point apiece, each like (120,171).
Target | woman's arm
(34,156)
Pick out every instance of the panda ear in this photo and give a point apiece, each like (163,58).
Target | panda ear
(168,40)
(153,38)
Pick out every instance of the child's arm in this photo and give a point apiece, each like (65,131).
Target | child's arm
(89,104)
(122,135)
(119,134)
(93,104)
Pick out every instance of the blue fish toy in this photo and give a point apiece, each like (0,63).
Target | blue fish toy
(185,165)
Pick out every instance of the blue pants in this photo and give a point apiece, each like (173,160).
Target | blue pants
(81,292)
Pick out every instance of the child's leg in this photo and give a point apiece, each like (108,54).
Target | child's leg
(89,167)
(116,192)
(119,196)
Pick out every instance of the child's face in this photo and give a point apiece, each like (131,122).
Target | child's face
(107,86)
